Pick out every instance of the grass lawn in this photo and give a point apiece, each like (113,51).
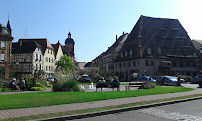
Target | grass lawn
(13,101)
(95,83)
(42,116)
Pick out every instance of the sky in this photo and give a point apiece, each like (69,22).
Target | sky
(93,24)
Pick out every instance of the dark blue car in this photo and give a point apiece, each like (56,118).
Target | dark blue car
(145,78)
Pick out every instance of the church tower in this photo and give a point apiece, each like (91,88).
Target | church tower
(69,46)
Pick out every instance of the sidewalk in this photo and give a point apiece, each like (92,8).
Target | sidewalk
(96,104)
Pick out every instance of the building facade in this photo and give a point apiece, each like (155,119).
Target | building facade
(27,58)
(156,46)
(57,51)
(5,50)
(105,60)
(48,54)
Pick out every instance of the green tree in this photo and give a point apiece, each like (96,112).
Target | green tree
(65,63)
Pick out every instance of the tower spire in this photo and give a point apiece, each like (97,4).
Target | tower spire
(69,35)
(9,26)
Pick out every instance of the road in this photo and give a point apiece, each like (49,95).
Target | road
(186,111)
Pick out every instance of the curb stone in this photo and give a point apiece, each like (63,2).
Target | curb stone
(114,111)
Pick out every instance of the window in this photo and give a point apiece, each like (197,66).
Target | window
(40,57)
(2,57)
(124,64)
(188,64)
(49,60)
(126,53)
(52,60)
(174,64)
(2,72)
(36,67)
(46,59)
(40,67)
(48,50)
(128,64)
(149,63)
(51,51)
(149,51)
(134,63)
(49,68)
(46,68)
(131,52)
(181,64)
(3,44)
(36,56)
(159,51)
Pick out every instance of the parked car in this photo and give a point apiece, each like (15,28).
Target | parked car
(144,78)
(196,79)
(84,78)
(50,79)
(168,79)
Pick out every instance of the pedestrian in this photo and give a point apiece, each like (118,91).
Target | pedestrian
(102,80)
(23,85)
(12,84)
(178,81)
(116,80)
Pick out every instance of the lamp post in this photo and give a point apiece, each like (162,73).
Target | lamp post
(17,69)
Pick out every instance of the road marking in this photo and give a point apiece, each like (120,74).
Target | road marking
(169,115)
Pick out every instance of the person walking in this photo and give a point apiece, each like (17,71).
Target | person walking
(23,85)
(13,86)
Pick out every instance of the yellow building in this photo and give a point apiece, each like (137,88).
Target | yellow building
(57,51)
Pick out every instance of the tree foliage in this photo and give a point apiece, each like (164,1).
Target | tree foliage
(65,63)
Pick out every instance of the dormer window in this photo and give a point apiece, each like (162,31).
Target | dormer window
(159,51)
(121,54)
(126,53)
(148,51)
(131,52)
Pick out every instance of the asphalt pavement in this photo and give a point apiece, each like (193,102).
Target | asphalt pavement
(185,111)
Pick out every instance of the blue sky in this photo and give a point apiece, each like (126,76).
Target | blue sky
(93,24)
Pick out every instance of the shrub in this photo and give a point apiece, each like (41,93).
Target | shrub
(37,89)
(148,85)
(50,85)
(40,85)
(65,81)
(67,85)
(29,81)
(109,79)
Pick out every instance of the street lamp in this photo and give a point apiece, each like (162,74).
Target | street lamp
(16,69)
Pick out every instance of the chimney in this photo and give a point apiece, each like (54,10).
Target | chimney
(123,33)
(116,38)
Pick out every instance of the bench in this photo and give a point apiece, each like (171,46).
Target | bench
(134,84)
(108,85)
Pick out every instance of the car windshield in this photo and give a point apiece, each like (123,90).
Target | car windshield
(170,77)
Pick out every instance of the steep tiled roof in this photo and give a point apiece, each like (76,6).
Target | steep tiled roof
(43,42)
(117,46)
(88,64)
(166,35)
(25,47)
(56,46)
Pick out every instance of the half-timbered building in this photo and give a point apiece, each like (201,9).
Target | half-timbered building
(27,58)
(48,54)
